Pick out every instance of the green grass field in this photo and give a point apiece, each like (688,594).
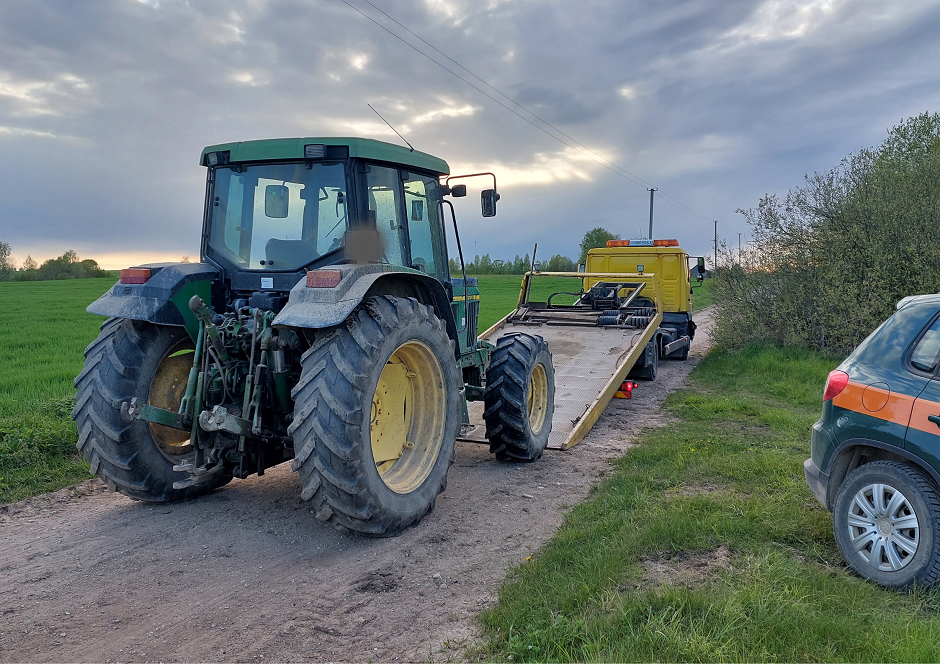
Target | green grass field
(44,328)
(717,497)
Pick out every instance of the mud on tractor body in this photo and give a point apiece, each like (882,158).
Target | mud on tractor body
(321,327)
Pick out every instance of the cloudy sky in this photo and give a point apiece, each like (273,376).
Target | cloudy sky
(105,106)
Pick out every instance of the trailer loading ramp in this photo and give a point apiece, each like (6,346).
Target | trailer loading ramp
(590,364)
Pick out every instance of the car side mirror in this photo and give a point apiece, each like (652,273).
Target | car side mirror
(275,201)
(488,202)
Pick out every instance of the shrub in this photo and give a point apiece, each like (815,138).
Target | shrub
(829,262)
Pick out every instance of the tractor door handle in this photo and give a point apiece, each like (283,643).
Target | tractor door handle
(935,419)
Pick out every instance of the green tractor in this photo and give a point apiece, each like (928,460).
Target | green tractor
(321,327)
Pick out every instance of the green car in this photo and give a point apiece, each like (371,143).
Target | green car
(875,460)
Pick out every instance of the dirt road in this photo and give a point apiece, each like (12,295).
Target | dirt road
(249,574)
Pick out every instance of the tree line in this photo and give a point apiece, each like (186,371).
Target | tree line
(594,238)
(829,261)
(66,266)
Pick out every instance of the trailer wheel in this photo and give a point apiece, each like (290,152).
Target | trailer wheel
(133,358)
(376,416)
(519,398)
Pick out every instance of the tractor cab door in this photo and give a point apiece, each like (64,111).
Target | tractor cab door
(425,228)
(405,208)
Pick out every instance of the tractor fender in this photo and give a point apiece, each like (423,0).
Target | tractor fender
(162,299)
(317,308)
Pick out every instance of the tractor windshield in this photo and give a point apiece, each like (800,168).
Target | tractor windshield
(277,216)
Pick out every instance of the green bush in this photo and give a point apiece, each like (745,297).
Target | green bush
(829,262)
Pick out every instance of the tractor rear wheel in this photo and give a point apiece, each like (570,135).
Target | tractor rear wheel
(152,362)
(376,416)
(519,399)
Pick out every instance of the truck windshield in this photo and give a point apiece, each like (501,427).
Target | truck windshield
(277,216)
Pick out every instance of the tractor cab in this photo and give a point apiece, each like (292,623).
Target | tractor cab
(278,208)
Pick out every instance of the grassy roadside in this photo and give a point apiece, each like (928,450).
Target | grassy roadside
(45,328)
(706,545)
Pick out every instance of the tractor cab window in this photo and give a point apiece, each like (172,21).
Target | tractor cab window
(277,216)
(384,207)
(422,208)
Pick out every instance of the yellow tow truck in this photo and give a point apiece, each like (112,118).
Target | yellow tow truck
(634,308)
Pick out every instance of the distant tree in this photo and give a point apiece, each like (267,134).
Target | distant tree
(594,238)
(559,263)
(184,259)
(29,263)
(6,262)
(68,266)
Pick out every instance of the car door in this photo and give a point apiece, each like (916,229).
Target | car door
(923,433)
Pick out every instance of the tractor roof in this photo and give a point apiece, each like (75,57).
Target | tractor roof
(293,148)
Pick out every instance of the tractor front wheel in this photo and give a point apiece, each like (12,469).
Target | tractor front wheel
(152,362)
(376,415)
(519,399)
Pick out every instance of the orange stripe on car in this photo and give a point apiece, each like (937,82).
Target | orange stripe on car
(897,407)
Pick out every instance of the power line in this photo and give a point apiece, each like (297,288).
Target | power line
(484,93)
(600,160)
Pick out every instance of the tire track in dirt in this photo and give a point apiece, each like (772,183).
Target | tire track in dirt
(249,574)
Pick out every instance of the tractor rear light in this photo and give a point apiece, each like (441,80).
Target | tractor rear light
(135,275)
(315,151)
(220,157)
(835,383)
(323,278)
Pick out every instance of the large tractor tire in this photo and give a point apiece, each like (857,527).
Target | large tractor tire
(519,399)
(376,415)
(151,362)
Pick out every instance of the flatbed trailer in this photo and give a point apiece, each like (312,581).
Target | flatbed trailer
(591,360)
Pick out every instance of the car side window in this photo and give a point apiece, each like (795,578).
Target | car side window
(926,352)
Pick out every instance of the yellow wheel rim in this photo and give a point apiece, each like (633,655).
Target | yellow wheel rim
(408,417)
(166,391)
(538,398)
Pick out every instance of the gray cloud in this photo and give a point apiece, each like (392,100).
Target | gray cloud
(105,106)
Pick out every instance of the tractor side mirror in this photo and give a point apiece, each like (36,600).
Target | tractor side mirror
(275,201)
(488,201)
(458,190)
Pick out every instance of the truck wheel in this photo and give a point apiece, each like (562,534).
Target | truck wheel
(886,522)
(649,371)
(519,399)
(152,362)
(376,415)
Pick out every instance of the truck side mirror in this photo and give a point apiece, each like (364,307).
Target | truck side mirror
(488,200)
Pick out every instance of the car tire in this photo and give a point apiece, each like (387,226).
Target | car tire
(886,522)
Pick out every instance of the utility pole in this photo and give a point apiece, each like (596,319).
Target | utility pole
(653,190)
(716,245)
